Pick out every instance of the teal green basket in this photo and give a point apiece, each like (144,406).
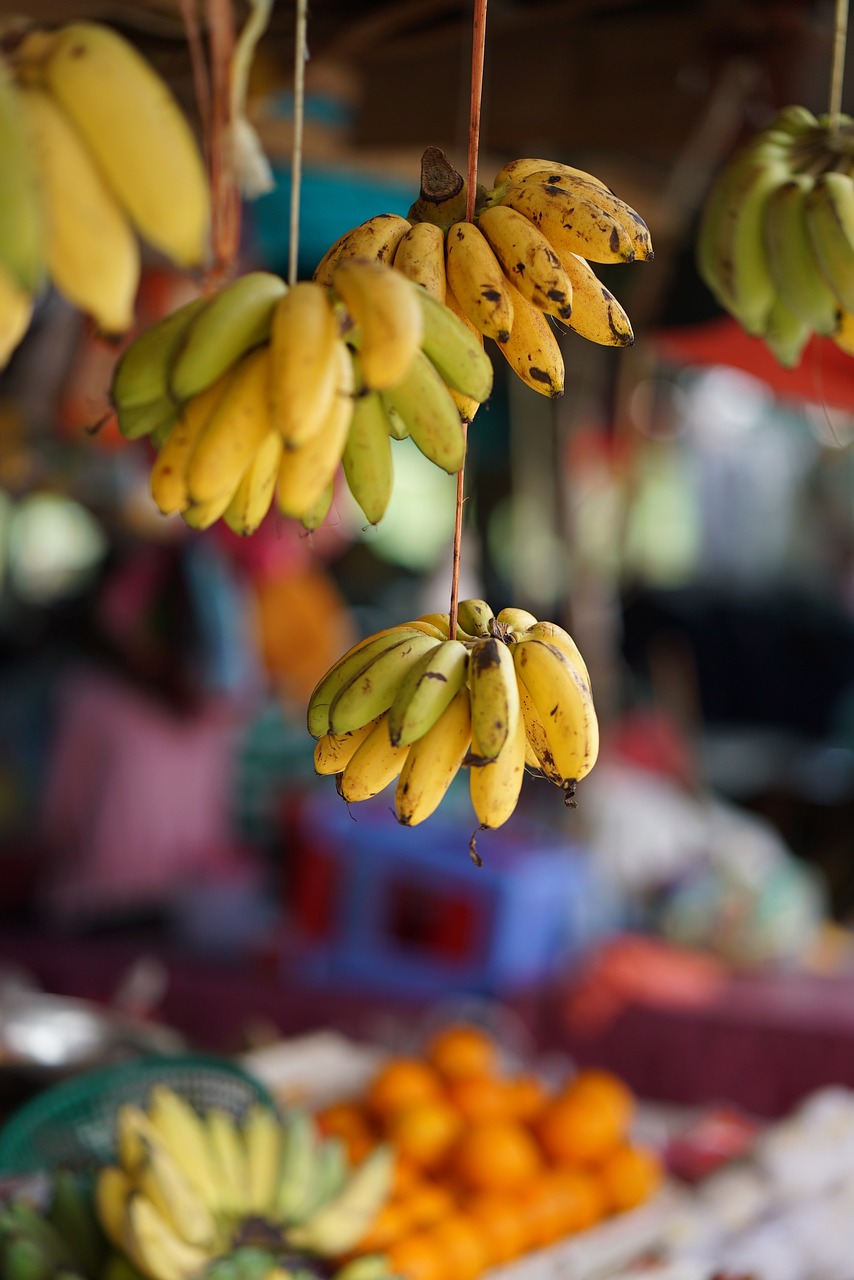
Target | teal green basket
(72,1125)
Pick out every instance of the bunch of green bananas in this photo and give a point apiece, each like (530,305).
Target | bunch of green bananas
(206,1195)
(95,152)
(776,238)
(260,392)
(523,259)
(411,703)
(64,1242)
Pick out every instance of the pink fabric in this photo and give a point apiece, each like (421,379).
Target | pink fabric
(137,800)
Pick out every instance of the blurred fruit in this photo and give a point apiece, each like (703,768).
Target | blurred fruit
(629,1176)
(389,1225)
(464,1245)
(582,1198)
(462,1051)
(603,1088)
(425,1131)
(504,1221)
(493,1155)
(525,1096)
(349,1122)
(427,1202)
(480,1097)
(399,1083)
(587,1121)
(418,1256)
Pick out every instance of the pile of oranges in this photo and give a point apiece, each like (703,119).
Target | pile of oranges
(490,1165)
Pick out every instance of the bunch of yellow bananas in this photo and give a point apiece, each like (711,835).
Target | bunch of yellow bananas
(525,257)
(776,238)
(261,391)
(199,1193)
(413,704)
(94,152)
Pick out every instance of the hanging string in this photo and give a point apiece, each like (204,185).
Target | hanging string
(837,74)
(300,57)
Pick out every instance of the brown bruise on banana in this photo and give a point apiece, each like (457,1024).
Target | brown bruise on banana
(614,238)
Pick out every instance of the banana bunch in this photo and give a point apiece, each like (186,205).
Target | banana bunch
(204,1194)
(95,154)
(64,1245)
(260,392)
(525,258)
(413,704)
(776,238)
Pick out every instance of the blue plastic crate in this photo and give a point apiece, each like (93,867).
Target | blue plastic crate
(406,910)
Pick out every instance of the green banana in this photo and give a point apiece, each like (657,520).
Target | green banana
(800,283)
(786,334)
(22,1258)
(475,617)
(454,351)
(342,672)
(341,1222)
(72,1213)
(367,458)
(830,223)
(298,1169)
(432,419)
(140,385)
(371,690)
(426,690)
(20,201)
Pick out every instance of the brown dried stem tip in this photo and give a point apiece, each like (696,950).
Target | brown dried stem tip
(443,191)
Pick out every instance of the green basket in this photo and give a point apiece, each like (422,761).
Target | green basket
(72,1125)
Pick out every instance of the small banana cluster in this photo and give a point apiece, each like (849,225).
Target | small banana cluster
(411,703)
(523,261)
(63,1243)
(260,392)
(199,1194)
(95,152)
(776,238)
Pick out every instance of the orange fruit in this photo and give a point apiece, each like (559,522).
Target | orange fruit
(464,1245)
(479,1097)
(349,1122)
(417,1256)
(391,1222)
(577,1128)
(629,1176)
(601,1087)
(426,1202)
(524,1096)
(406,1175)
(462,1050)
(424,1132)
(503,1218)
(543,1210)
(494,1155)
(401,1082)
(582,1199)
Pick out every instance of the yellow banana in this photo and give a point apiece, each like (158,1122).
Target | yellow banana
(424,403)
(303,362)
(90,249)
(233,432)
(161,1179)
(532,350)
(182,1129)
(236,320)
(477,281)
(494,786)
(606,201)
(132,124)
(844,335)
(596,313)
(201,515)
(527,259)
(494,696)
(475,617)
(455,351)
(571,221)
(140,385)
(561,639)
(516,170)
(152,1242)
(515,620)
(315,515)
(342,1221)
(168,478)
(564,706)
(427,690)
(384,306)
(342,672)
(300,1169)
(539,753)
(112,1189)
(375,763)
(262,1136)
(333,750)
(16,309)
(433,762)
(829,208)
(21,208)
(254,494)
(372,688)
(421,256)
(228,1157)
(367,458)
(306,473)
(376,239)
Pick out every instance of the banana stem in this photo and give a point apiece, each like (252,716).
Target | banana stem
(840,34)
(300,54)
(477,59)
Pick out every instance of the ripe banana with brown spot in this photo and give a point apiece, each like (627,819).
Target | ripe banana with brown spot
(384,306)
(571,220)
(495,786)
(533,351)
(342,672)
(372,689)
(427,690)
(306,473)
(596,313)
(516,170)
(478,282)
(376,239)
(333,750)
(494,696)
(433,761)
(607,201)
(564,706)
(527,259)
(303,362)
(558,636)
(420,255)
(374,764)
(475,617)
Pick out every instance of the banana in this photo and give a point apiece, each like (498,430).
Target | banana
(561,639)
(384,306)
(157,1249)
(342,672)
(112,1191)
(433,762)
(420,255)
(16,309)
(606,201)
(47,1252)
(516,170)
(786,334)
(333,750)
(596,313)
(315,515)
(21,209)
(801,287)
(477,281)
(423,402)
(494,786)
(22,1258)
(253,496)
(454,350)
(515,620)
(442,622)
(371,690)
(367,458)
(306,473)
(182,1129)
(564,706)
(236,320)
(527,259)
(731,254)
(475,617)
(160,1179)
(375,763)
(342,1221)
(262,1136)
(397,428)
(132,124)
(72,1215)
(201,515)
(367,1266)
(303,362)
(830,223)
(494,697)
(168,478)
(426,691)
(228,1157)
(233,432)
(570,219)
(532,350)
(90,249)
(376,239)
(299,1171)
(140,383)
(844,335)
